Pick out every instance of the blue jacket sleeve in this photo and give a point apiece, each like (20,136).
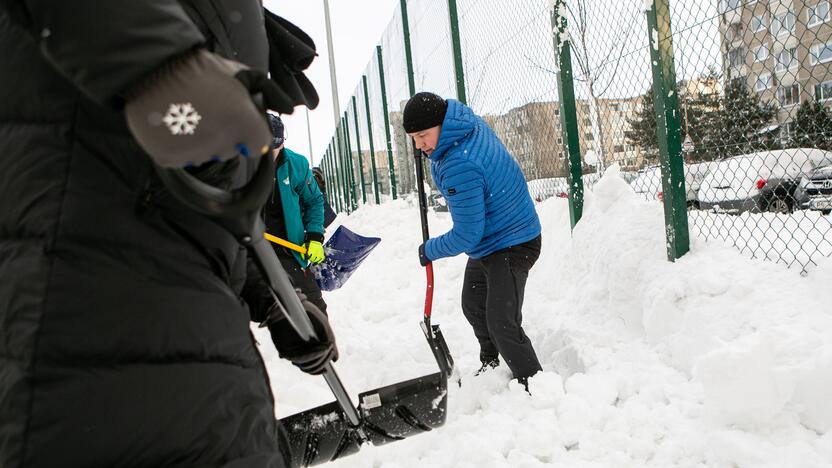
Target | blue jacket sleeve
(311,202)
(467,207)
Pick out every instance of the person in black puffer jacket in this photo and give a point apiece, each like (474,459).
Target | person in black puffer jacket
(124,331)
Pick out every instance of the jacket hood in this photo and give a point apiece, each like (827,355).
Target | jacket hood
(459,122)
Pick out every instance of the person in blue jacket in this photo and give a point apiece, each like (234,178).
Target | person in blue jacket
(295,212)
(494,223)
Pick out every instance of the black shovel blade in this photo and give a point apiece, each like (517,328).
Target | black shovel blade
(404,409)
(388,414)
(320,435)
(439,347)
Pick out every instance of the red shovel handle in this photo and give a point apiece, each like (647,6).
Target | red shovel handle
(429,291)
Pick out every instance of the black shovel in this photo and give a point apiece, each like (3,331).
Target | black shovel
(332,431)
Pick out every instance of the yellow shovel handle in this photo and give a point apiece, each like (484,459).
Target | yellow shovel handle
(284,243)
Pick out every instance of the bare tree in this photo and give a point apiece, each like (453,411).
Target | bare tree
(597,71)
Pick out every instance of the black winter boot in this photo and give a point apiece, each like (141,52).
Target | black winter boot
(488,363)
(524,381)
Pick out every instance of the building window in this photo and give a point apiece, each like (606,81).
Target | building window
(618,149)
(786,131)
(788,95)
(759,23)
(817,14)
(782,24)
(615,107)
(820,53)
(761,53)
(734,32)
(786,59)
(728,5)
(823,91)
(588,137)
(763,82)
(557,111)
(560,140)
(736,57)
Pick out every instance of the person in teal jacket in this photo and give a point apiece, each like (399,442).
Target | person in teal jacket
(295,212)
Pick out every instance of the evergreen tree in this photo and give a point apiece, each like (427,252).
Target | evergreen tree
(696,110)
(812,127)
(642,131)
(740,125)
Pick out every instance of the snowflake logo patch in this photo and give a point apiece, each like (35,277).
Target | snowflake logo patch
(182,119)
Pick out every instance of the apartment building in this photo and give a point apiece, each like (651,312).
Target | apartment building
(782,49)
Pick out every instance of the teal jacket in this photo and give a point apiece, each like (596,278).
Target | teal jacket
(300,199)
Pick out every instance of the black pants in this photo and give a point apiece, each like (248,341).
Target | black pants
(492,300)
(301,279)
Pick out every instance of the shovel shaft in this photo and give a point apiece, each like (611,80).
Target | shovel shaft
(423,216)
(423,201)
(283,242)
(341,396)
(239,213)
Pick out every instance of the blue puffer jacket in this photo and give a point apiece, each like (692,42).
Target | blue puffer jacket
(486,191)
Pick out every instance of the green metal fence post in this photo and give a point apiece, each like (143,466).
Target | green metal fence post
(386,123)
(349,162)
(408,54)
(345,164)
(333,179)
(568,112)
(328,177)
(342,172)
(370,133)
(668,129)
(459,72)
(333,187)
(411,77)
(360,157)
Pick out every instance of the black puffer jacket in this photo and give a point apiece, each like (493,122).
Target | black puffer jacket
(123,337)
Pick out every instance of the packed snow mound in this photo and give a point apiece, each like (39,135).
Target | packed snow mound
(713,360)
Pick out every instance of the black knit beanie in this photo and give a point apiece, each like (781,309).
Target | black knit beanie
(423,111)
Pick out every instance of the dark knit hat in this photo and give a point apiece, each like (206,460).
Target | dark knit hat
(278,130)
(423,111)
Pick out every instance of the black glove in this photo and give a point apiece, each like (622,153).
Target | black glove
(200,107)
(290,52)
(423,259)
(311,357)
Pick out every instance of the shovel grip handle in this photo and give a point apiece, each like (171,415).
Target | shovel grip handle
(429,290)
(284,243)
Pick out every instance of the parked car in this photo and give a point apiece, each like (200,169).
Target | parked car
(759,182)
(648,183)
(542,189)
(437,202)
(815,190)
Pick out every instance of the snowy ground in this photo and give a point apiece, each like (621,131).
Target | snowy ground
(798,239)
(716,360)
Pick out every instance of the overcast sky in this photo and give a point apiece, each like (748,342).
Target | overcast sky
(507,52)
(356,28)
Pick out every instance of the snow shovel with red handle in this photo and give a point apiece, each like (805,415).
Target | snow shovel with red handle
(432,332)
(335,430)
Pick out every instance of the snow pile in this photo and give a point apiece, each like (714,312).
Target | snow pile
(715,360)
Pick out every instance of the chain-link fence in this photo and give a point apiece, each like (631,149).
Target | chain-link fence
(759,127)
(717,109)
